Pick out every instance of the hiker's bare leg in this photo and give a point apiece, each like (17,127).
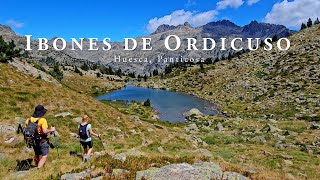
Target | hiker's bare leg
(36,160)
(89,151)
(42,161)
(85,151)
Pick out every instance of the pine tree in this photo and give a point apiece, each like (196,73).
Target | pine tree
(316,21)
(201,67)
(275,38)
(147,103)
(303,26)
(309,23)
(155,72)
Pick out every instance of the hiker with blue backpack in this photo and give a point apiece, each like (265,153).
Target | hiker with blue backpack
(36,135)
(85,132)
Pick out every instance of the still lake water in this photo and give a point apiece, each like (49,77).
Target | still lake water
(170,105)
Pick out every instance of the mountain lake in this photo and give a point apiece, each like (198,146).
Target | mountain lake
(170,104)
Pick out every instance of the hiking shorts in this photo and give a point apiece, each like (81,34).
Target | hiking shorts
(86,144)
(41,148)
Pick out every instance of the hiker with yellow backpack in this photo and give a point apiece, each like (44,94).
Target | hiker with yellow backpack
(36,135)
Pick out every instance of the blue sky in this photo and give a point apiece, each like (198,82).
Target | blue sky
(118,18)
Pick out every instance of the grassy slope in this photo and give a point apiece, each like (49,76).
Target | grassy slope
(20,93)
(256,87)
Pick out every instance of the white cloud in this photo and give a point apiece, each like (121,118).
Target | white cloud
(293,13)
(15,24)
(251,2)
(180,17)
(229,3)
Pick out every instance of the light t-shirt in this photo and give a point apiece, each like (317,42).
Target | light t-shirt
(42,123)
(88,133)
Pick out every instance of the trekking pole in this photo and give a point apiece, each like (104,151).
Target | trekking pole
(57,146)
(101,143)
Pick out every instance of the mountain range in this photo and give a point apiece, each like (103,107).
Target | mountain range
(215,30)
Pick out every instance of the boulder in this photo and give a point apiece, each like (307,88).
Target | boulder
(160,149)
(191,128)
(155,117)
(258,139)
(7,129)
(74,135)
(287,162)
(136,119)
(62,115)
(219,127)
(315,126)
(19,175)
(233,176)
(183,171)
(20,120)
(132,152)
(192,112)
(75,176)
(77,120)
(273,129)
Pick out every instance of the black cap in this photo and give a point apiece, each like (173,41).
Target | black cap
(39,111)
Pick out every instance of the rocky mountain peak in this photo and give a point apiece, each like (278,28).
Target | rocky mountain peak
(163,28)
(224,22)
(4,29)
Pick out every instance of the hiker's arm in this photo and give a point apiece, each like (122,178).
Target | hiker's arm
(91,132)
(47,131)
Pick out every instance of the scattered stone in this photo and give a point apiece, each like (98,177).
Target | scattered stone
(219,127)
(7,129)
(233,176)
(289,176)
(279,137)
(273,129)
(9,141)
(132,152)
(77,120)
(74,135)
(2,155)
(272,121)
(28,150)
(136,119)
(191,128)
(120,136)
(155,117)
(259,139)
(133,131)
(75,176)
(119,172)
(203,152)
(192,112)
(63,115)
(287,162)
(290,133)
(284,156)
(315,126)
(19,174)
(20,120)
(160,149)
(150,130)
(203,171)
